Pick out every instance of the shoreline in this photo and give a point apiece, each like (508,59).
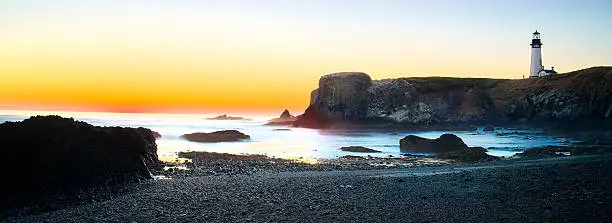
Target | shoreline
(525,189)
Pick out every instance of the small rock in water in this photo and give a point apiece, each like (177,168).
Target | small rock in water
(359,149)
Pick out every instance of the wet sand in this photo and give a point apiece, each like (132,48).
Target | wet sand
(563,189)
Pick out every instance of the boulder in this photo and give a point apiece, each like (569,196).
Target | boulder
(445,143)
(471,154)
(358,149)
(284,119)
(218,136)
(51,153)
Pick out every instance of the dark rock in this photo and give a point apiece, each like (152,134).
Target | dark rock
(488,128)
(472,154)
(218,136)
(226,117)
(284,119)
(445,143)
(51,153)
(281,129)
(358,149)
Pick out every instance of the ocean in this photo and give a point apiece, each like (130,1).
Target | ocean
(287,142)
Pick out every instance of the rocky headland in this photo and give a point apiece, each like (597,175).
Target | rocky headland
(579,99)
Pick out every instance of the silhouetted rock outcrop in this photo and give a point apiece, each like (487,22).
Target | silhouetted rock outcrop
(445,143)
(226,117)
(284,119)
(49,153)
(286,114)
(358,149)
(582,96)
(218,136)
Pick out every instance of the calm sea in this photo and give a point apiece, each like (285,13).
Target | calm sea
(288,142)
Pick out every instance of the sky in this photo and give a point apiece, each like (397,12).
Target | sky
(267,55)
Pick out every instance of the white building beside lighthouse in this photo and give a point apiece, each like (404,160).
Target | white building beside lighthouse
(537,69)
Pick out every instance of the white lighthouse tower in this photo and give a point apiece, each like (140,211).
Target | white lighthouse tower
(537,69)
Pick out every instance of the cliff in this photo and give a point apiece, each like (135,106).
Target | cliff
(583,96)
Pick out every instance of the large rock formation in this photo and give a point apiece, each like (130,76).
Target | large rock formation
(576,97)
(49,153)
(218,136)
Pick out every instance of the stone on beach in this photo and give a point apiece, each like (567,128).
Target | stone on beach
(218,136)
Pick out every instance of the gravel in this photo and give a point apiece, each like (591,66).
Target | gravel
(560,189)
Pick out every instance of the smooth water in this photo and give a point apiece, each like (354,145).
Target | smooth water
(288,142)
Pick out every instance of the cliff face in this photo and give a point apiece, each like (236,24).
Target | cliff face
(354,97)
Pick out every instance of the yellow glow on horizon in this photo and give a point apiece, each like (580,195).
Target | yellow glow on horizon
(156,60)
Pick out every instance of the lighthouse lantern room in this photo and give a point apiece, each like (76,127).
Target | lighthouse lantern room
(537,69)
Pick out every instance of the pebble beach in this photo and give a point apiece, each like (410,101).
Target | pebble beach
(553,189)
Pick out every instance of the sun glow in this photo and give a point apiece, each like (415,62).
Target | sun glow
(183,56)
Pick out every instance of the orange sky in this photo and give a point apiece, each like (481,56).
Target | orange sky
(125,56)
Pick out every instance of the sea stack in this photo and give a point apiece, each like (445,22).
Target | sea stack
(285,118)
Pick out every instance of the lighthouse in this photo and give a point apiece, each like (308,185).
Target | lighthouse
(537,69)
